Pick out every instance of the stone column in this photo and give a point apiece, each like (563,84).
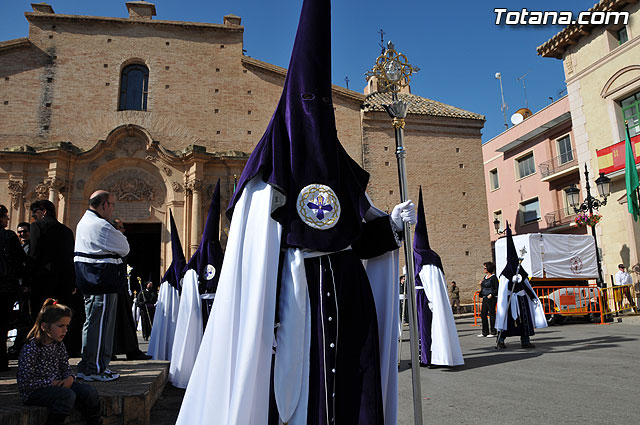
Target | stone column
(55,184)
(16,191)
(194,186)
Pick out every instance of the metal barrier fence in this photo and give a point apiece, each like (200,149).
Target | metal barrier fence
(618,299)
(477,305)
(572,301)
(560,302)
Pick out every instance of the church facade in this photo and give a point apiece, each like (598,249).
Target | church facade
(156,111)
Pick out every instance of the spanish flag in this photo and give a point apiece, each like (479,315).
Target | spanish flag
(631,176)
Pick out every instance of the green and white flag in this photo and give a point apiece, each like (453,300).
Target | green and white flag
(631,176)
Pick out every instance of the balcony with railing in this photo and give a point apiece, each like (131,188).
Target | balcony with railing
(558,166)
(558,218)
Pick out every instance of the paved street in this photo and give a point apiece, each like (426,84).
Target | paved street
(579,373)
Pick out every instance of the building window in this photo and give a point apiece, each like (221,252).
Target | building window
(134,87)
(622,35)
(526,166)
(564,150)
(631,113)
(493,179)
(530,210)
(497,215)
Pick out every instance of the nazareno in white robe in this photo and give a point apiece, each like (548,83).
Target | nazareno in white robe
(164,323)
(445,345)
(188,337)
(231,376)
(535,306)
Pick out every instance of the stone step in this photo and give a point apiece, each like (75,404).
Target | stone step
(127,400)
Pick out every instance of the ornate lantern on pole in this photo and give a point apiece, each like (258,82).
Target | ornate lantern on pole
(393,72)
(588,206)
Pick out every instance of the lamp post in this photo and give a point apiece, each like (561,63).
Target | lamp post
(393,72)
(496,225)
(590,203)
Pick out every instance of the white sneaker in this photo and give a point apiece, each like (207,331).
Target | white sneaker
(112,373)
(481,336)
(105,376)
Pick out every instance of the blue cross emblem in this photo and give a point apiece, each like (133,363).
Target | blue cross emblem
(319,207)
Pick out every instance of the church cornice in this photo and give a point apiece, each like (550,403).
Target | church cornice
(282,72)
(56,17)
(18,43)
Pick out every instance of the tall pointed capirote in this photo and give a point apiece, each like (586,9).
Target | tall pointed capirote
(178,261)
(300,150)
(207,260)
(513,260)
(631,176)
(422,252)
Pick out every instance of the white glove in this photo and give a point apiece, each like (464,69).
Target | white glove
(404,213)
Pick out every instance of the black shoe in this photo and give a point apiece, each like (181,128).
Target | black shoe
(528,345)
(139,355)
(502,345)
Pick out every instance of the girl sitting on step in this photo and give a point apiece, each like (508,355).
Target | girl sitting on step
(44,375)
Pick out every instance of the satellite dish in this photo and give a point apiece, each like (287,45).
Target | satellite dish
(526,113)
(516,118)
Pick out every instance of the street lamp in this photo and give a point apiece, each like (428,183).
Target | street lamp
(590,203)
(496,225)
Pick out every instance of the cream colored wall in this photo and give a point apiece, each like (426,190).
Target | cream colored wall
(596,82)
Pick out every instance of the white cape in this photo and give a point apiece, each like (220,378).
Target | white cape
(230,381)
(384,279)
(164,323)
(187,340)
(445,345)
(539,319)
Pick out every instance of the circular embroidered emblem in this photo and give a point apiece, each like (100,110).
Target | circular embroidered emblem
(210,272)
(318,206)
(576,265)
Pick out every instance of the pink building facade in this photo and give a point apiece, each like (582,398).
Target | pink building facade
(527,168)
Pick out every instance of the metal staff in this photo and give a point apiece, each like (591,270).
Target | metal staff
(392,71)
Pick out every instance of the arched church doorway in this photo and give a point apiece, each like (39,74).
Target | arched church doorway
(144,255)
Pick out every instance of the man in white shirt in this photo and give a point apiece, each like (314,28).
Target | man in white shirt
(623,279)
(100,274)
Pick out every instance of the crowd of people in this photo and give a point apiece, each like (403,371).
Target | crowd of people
(71,288)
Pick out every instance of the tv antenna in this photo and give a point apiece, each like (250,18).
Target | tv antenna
(524,87)
(382,46)
(346,80)
(503,107)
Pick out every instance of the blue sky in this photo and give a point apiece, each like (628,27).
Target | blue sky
(456,44)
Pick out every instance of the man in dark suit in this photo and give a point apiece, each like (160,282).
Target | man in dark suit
(51,248)
(52,251)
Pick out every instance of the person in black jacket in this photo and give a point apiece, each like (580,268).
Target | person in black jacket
(51,249)
(12,268)
(489,295)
